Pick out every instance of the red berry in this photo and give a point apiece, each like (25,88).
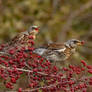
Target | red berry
(20,90)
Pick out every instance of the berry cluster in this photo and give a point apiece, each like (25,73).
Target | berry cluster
(42,74)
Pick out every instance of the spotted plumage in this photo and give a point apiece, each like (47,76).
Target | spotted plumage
(58,51)
(22,39)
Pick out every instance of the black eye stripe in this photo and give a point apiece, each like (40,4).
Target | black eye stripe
(33,27)
(75,41)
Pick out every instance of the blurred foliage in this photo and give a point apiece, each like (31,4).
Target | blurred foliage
(59,20)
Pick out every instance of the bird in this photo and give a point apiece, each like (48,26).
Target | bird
(54,52)
(21,40)
(23,36)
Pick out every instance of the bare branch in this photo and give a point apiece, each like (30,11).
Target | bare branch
(68,24)
(24,70)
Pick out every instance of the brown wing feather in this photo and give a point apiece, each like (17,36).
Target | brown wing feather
(56,46)
(18,38)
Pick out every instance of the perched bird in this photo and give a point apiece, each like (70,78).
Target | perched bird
(21,40)
(58,52)
(23,37)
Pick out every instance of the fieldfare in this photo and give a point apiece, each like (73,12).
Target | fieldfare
(57,51)
(24,36)
(21,40)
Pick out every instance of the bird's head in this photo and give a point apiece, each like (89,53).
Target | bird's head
(73,43)
(33,29)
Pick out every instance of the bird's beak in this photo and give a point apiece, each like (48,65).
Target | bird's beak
(37,29)
(80,43)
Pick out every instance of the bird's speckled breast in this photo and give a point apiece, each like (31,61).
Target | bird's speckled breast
(68,53)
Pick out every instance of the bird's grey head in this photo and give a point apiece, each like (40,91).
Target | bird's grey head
(73,43)
(33,28)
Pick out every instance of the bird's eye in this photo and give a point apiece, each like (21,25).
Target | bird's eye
(33,28)
(75,41)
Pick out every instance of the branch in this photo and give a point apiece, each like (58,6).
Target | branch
(72,16)
(24,70)
(54,85)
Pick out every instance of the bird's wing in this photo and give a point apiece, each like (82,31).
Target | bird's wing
(17,38)
(50,47)
(45,51)
(40,51)
(55,46)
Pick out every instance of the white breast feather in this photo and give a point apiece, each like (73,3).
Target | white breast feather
(60,50)
(39,51)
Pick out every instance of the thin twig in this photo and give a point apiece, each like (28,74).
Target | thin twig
(72,16)
(52,85)
(24,70)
